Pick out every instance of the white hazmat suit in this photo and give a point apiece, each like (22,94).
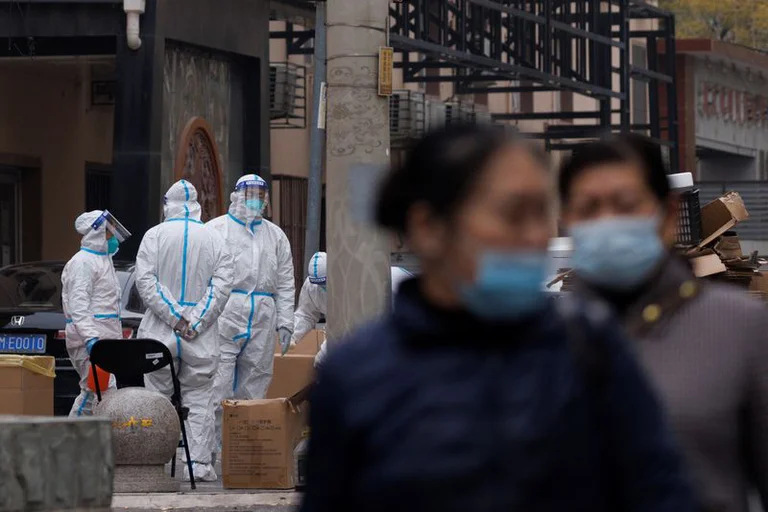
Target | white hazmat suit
(184,272)
(263,294)
(90,296)
(313,302)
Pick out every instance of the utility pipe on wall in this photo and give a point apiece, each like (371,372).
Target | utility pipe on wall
(133,10)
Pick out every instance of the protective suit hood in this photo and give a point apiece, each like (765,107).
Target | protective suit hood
(180,202)
(237,208)
(94,240)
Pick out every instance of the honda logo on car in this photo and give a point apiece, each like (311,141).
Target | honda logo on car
(17,321)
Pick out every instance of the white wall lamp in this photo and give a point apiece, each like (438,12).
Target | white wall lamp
(133,10)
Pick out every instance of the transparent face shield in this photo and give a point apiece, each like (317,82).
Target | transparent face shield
(255,195)
(112,225)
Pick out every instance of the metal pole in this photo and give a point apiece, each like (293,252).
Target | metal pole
(317,141)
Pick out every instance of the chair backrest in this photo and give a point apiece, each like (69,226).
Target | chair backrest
(131,356)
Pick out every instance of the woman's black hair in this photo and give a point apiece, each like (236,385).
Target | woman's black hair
(438,171)
(620,149)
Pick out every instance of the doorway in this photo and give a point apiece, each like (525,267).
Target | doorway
(9,216)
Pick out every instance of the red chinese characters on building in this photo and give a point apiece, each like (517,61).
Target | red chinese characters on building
(733,106)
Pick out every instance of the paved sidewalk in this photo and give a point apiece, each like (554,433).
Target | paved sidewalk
(206,500)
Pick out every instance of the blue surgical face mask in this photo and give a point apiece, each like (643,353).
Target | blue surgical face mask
(256,205)
(618,253)
(508,285)
(113,244)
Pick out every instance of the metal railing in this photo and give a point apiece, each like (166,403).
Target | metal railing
(755,196)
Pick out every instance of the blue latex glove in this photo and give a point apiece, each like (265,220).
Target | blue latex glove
(285,339)
(89,344)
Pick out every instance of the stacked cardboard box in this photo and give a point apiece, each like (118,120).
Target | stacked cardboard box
(259,436)
(719,254)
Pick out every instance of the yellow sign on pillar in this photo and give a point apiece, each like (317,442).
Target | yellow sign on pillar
(386,70)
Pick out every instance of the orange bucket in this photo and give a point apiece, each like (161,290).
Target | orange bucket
(101,375)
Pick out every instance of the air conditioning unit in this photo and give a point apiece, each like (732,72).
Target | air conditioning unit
(437,114)
(453,113)
(283,84)
(407,115)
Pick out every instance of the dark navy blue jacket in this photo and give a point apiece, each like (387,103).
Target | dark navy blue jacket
(427,410)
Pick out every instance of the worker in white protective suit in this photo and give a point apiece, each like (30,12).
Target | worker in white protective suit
(260,308)
(313,302)
(184,276)
(90,296)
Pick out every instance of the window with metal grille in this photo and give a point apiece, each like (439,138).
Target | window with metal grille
(289,211)
(98,187)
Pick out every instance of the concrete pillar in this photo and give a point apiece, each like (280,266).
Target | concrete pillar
(55,464)
(357,133)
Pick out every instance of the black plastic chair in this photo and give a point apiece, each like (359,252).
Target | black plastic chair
(129,360)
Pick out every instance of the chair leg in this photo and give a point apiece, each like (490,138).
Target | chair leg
(186,452)
(173,464)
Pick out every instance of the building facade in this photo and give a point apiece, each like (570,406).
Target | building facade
(91,118)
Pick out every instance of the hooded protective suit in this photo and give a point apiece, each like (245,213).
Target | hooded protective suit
(313,301)
(90,296)
(183,271)
(261,303)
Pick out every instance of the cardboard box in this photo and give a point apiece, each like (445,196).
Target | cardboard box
(309,344)
(258,439)
(295,370)
(720,216)
(707,264)
(292,373)
(26,385)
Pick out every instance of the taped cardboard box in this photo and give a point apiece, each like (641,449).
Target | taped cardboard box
(26,385)
(258,440)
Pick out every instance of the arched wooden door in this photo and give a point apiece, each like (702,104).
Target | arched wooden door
(197,160)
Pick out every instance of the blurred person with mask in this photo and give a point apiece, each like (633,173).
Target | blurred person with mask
(477,392)
(90,297)
(184,276)
(260,308)
(703,344)
(313,302)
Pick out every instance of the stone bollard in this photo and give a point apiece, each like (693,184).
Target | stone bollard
(55,464)
(145,433)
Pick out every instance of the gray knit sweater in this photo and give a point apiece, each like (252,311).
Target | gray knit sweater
(708,359)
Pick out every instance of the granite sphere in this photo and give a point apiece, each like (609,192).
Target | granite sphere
(145,426)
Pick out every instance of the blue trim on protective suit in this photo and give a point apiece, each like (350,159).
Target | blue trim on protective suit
(178,351)
(256,222)
(247,336)
(186,244)
(168,303)
(82,404)
(175,219)
(188,304)
(235,219)
(97,253)
(106,316)
(316,259)
(207,306)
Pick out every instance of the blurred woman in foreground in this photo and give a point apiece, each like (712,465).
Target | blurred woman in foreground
(704,345)
(475,394)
